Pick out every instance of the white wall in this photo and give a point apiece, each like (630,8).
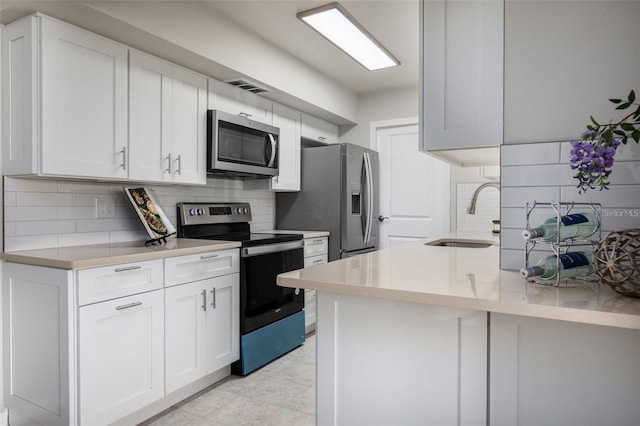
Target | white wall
(383,105)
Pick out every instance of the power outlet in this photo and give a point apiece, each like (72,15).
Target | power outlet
(105,208)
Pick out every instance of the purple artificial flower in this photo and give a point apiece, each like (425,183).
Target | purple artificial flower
(593,158)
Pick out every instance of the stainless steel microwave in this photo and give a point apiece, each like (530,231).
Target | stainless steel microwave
(241,147)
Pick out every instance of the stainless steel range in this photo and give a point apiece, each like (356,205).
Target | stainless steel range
(271,317)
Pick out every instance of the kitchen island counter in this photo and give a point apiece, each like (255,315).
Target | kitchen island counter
(467,278)
(422,334)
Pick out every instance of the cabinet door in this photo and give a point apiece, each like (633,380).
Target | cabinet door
(84,103)
(548,96)
(223,321)
(185,334)
(547,372)
(149,117)
(121,356)
(189,127)
(430,363)
(288,121)
(462,73)
(318,130)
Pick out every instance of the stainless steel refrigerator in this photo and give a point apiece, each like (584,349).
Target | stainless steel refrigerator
(339,194)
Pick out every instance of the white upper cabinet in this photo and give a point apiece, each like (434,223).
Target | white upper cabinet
(167,114)
(288,179)
(462,74)
(65,101)
(563,61)
(316,129)
(235,101)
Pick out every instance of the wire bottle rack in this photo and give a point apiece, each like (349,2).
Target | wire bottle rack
(559,246)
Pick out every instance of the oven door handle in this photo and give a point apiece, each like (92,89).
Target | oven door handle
(271,248)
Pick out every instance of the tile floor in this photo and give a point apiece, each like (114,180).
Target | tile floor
(280,393)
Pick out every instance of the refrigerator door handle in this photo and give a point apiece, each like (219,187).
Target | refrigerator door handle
(369,205)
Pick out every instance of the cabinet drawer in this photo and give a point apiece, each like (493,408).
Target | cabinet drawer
(315,246)
(315,260)
(184,269)
(110,282)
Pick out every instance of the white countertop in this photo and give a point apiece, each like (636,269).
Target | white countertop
(467,278)
(305,234)
(91,256)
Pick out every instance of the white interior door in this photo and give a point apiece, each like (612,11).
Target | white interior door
(414,187)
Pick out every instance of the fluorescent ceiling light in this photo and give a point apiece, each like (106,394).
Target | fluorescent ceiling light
(334,22)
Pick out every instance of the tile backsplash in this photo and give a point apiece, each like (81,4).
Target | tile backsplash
(42,213)
(541,172)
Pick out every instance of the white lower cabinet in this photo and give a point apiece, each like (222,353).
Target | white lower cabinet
(121,356)
(315,253)
(382,362)
(547,372)
(202,329)
(113,344)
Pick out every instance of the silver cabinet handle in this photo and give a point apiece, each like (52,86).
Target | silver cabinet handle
(124,158)
(318,261)
(130,305)
(179,162)
(127,268)
(213,298)
(322,138)
(210,256)
(168,169)
(204,300)
(244,114)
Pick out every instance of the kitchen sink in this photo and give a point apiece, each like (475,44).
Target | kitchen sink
(458,242)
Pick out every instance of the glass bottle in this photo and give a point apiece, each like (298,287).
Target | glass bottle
(571,226)
(570,264)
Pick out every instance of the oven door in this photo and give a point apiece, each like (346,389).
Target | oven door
(262,301)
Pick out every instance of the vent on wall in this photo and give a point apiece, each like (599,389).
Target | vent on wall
(248,86)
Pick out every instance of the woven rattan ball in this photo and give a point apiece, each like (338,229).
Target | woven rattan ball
(616,260)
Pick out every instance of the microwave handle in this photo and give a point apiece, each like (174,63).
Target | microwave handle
(273,150)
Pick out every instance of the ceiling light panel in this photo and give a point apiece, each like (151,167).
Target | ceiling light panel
(334,23)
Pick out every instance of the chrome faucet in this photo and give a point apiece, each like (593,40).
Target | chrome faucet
(472,205)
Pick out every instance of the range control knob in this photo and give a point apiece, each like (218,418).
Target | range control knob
(201,212)
(192,212)
(245,210)
(239,210)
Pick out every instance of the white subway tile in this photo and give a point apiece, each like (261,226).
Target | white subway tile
(621,196)
(45,227)
(527,154)
(30,185)
(76,212)
(123,236)
(9,229)
(79,187)
(45,199)
(9,198)
(20,214)
(518,197)
(536,175)
(97,225)
(83,238)
(30,242)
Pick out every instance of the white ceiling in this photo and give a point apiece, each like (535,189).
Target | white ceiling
(394,23)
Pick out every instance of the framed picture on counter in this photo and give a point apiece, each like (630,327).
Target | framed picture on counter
(151,215)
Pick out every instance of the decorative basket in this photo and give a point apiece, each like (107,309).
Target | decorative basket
(616,260)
